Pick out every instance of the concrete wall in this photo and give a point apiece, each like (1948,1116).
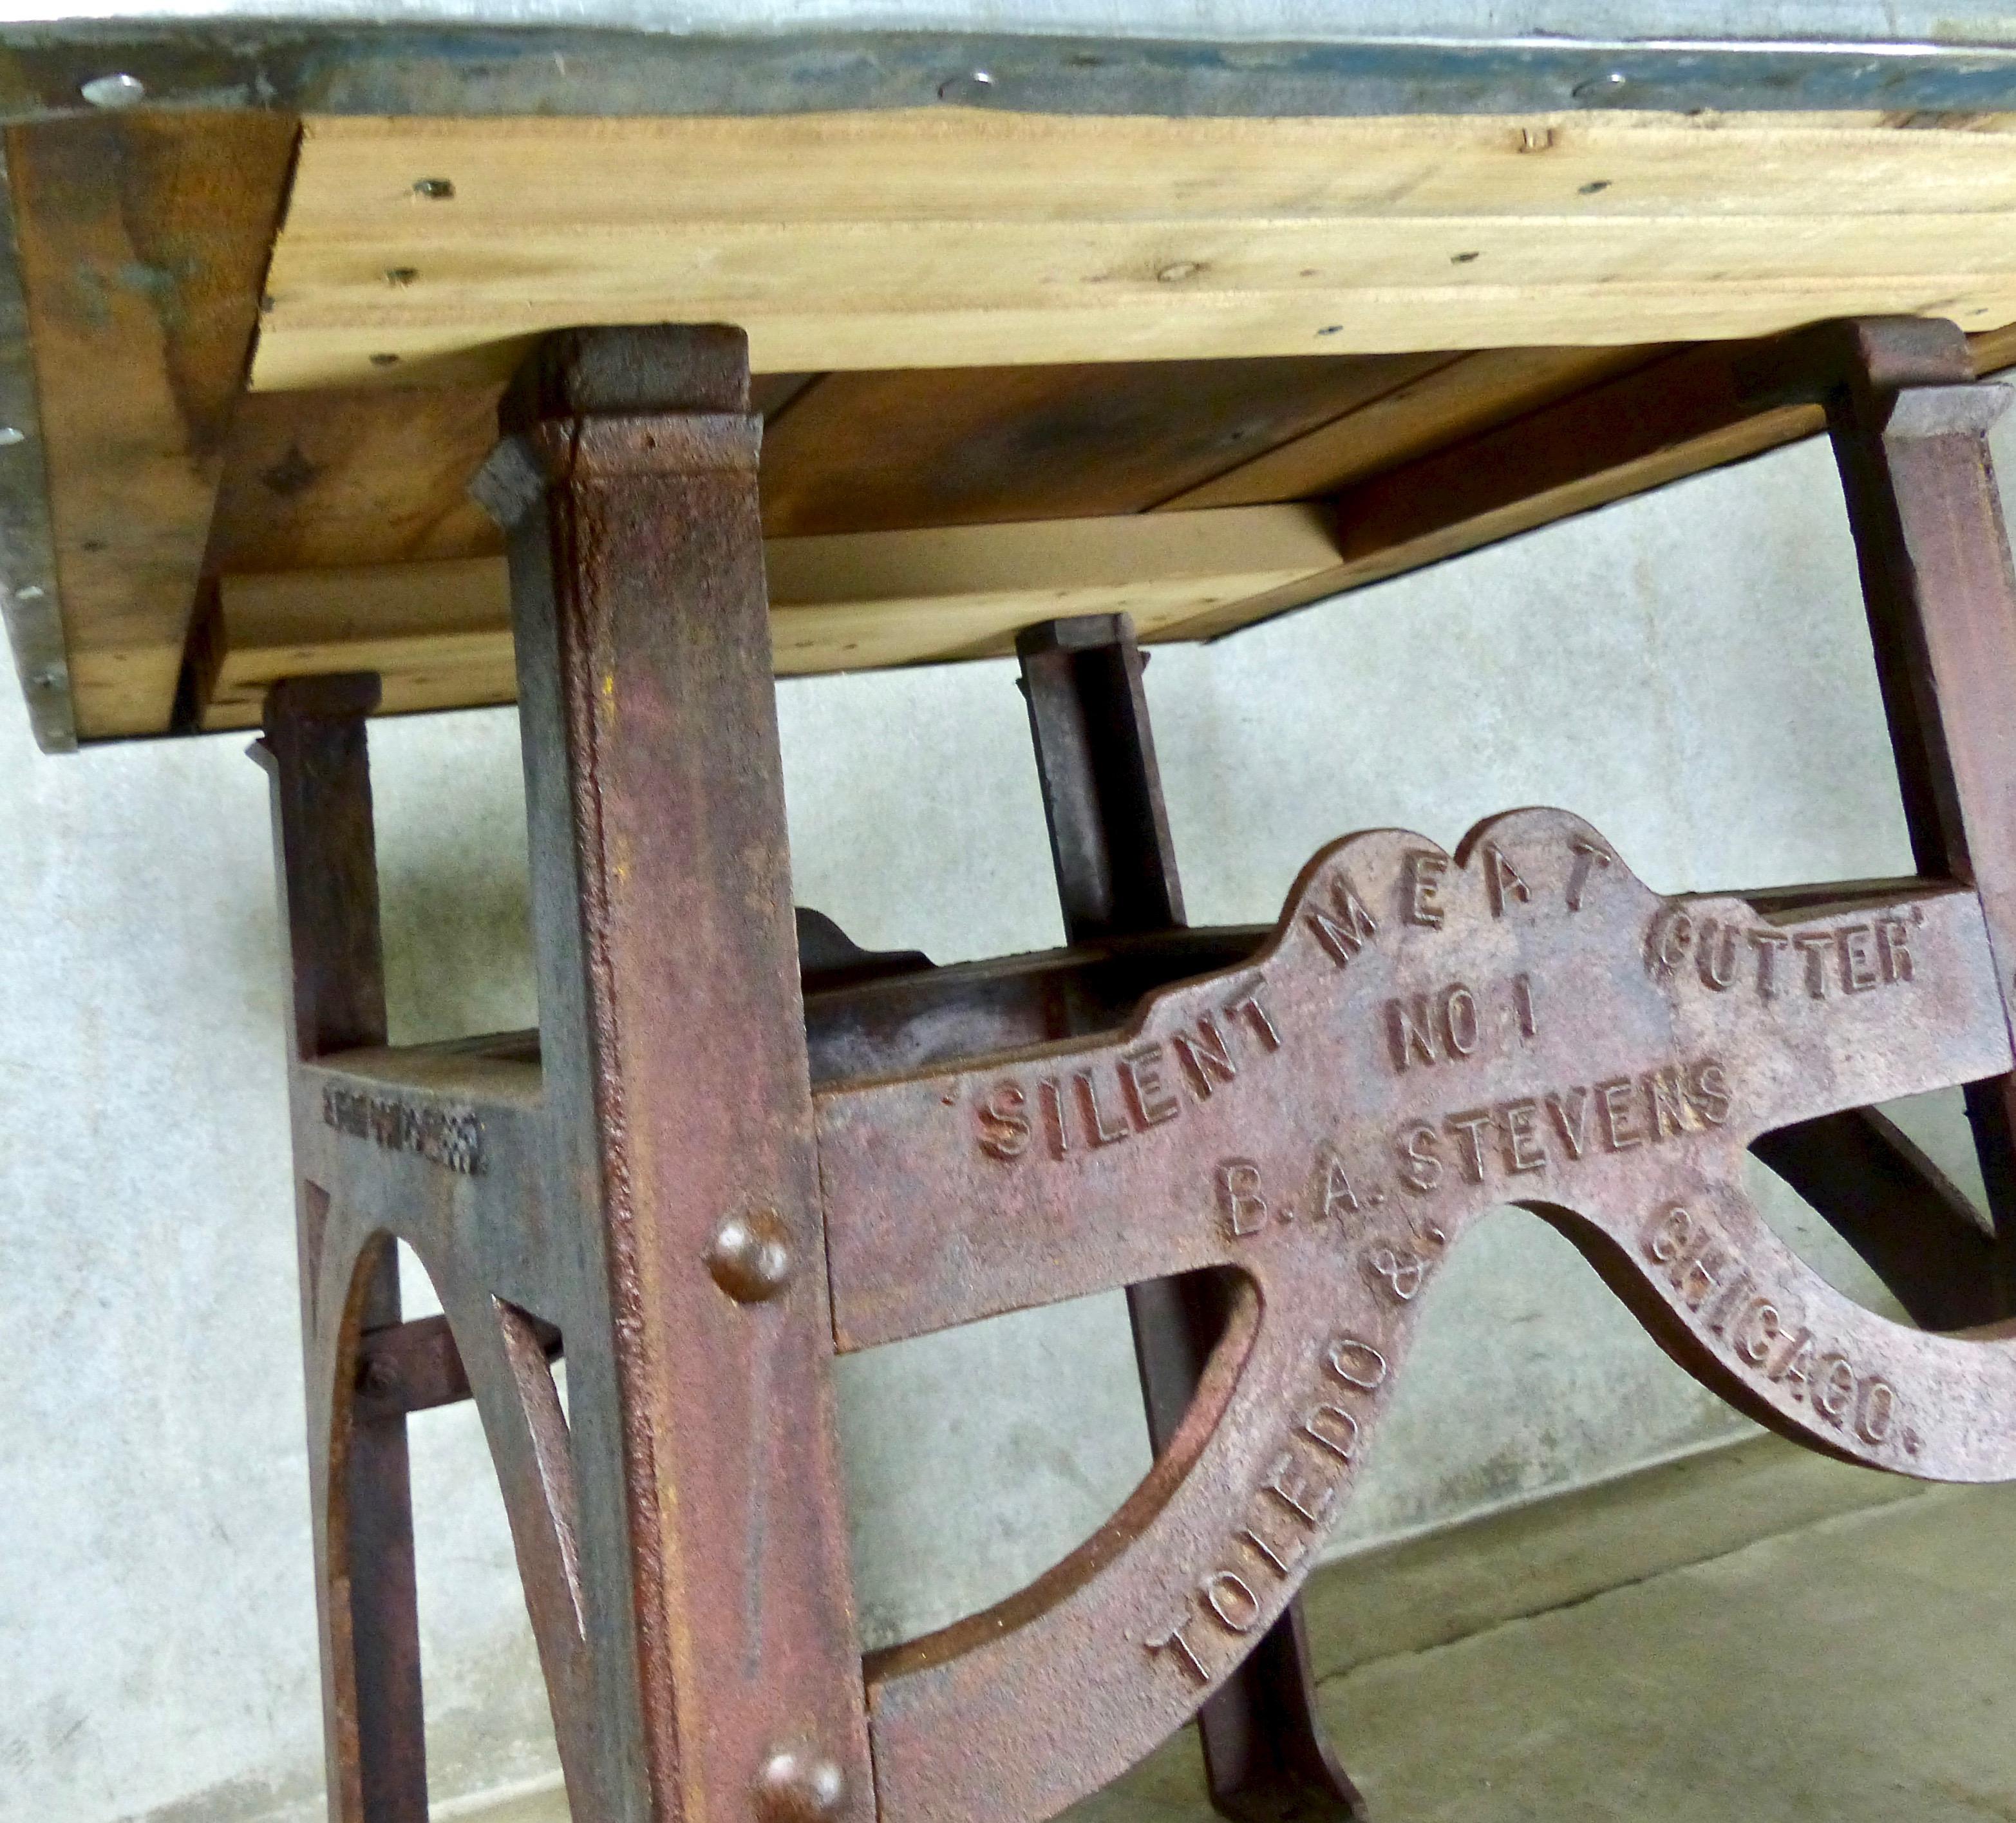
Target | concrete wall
(1688,670)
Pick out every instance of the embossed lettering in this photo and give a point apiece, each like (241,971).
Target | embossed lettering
(1522,1005)
(1410,1036)
(1666,941)
(1421,898)
(1050,1092)
(1148,1091)
(1205,1056)
(1239,1197)
(1103,1133)
(1502,881)
(1459,1020)
(1571,1118)
(1858,959)
(1309,1500)
(1470,1153)
(1338,1197)
(451,1138)
(1004,1122)
(1613,1099)
(1351,927)
(1833,1388)
(1699,1276)
(1893,940)
(1796,1369)
(1400,1272)
(1518,1122)
(1814,946)
(1716,955)
(1356,1363)
(1233,1604)
(1420,1168)
(1587,856)
(1758,1332)
(1663,1094)
(1707,1091)
(1256,1016)
(1875,1407)
(1173,1641)
(1268,1554)
(1333,1428)
(1715,1318)
(1426,1029)
(1767,944)
(1672,1235)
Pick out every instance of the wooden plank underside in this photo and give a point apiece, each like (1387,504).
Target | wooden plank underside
(872,599)
(1670,418)
(143,240)
(964,237)
(439,633)
(959,237)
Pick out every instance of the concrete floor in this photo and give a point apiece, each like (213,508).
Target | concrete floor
(1752,1635)
(1633,1655)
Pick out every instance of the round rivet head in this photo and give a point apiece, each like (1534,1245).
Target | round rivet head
(795,1786)
(751,1255)
(117,90)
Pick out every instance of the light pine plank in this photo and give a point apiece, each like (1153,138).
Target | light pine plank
(440,632)
(965,164)
(1213,326)
(978,445)
(1452,401)
(963,238)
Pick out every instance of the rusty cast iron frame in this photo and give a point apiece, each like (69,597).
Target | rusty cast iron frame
(737,1146)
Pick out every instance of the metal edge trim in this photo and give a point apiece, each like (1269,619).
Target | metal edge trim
(29,601)
(451,69)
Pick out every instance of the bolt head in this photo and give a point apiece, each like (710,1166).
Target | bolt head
(796,1786)
(751,1255)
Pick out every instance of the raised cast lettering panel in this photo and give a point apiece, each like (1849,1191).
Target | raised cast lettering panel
(1425,1037)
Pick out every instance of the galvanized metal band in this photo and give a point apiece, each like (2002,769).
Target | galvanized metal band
(513,61)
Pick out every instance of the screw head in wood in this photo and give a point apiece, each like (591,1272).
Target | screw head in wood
(796,1786)
(974,86)
(117,90)
(751,1255)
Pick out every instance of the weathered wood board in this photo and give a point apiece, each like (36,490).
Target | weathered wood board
(440,633)
(143,241)
(1449,330)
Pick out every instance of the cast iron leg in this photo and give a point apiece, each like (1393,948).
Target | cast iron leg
(365,1591)
(712,1548)
(1265,1751)
(1910,428)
